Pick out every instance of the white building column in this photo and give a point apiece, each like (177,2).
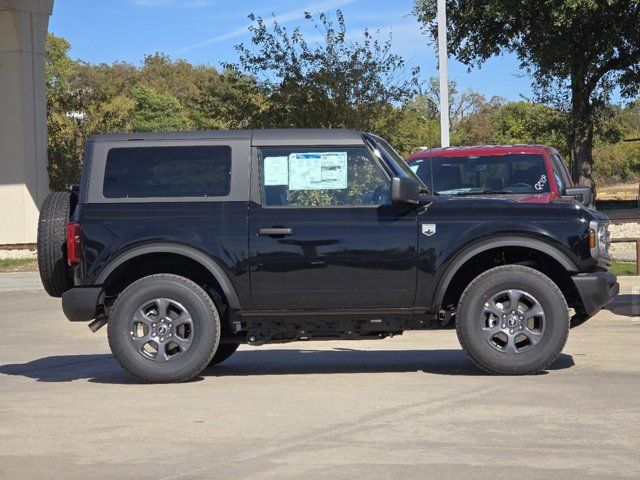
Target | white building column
(23,118)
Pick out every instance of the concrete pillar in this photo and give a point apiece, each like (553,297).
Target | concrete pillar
(23,118)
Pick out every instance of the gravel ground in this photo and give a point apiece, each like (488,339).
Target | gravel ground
(624,251)
(17,254)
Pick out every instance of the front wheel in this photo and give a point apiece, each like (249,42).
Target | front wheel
(164,328)
(512,320)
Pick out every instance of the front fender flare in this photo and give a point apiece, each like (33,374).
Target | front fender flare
(509,241)
(207,262)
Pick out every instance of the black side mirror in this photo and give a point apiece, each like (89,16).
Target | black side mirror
(405,190)
(583,194)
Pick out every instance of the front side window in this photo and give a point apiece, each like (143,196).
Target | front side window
(509,174)
(310,177)
(146,172)
(560,171)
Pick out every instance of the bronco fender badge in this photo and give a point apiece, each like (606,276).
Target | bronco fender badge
(428,229)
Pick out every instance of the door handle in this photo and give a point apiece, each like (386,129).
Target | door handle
(274,231)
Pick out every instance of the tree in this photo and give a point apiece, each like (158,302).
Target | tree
(461,104)
(523,122)
(576,49)
(335,83)
(63,133)
(155,111)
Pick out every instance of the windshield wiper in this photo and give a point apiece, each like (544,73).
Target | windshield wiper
(483,192)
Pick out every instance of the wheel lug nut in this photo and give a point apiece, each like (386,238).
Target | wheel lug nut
(512,312)
(520,317)
(153,325)
(520,327)
(511,331)
(503,325)
(162,339)
(504,316)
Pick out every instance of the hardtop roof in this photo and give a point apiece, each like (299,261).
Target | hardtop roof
(258,137)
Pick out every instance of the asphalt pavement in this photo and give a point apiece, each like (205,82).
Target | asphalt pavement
(410,407)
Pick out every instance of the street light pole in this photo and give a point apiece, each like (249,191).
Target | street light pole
(443,67)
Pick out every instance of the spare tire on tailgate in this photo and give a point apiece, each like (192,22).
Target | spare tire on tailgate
(52,242)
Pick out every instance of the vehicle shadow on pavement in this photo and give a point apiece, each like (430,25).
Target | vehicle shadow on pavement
(344,360)
(627,305)
(103,368)
(66,368)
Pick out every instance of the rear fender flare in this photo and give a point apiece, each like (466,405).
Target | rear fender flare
(207,262)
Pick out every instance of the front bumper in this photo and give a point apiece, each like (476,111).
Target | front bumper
(81,304)
(596,290)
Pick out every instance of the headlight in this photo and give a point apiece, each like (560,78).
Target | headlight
(604,239)
(599,239)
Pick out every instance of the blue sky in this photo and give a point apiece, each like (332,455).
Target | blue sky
(205,31)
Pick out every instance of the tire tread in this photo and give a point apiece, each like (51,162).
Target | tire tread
(52,257)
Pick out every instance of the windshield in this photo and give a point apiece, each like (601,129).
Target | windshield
(513,173)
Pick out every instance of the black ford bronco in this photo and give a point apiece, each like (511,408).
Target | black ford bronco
(189,244)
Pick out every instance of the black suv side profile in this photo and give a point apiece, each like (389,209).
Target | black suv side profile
(188,244)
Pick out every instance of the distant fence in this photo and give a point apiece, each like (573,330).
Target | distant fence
(617,204)
(636,240)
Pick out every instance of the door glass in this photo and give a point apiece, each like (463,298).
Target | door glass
(323,177)
(560,171)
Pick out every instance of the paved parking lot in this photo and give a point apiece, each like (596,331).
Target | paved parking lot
(408,407)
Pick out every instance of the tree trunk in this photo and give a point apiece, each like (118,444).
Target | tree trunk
(582,134)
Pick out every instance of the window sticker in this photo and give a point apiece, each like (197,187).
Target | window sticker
(318,171)
(541,183)
(276,171)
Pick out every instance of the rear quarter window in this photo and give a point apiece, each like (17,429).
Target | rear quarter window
(145,172)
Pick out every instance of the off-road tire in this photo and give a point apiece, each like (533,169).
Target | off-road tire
(206,325)
(224,351)
(469,323)
(52,243)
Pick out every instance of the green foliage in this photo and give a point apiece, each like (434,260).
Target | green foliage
(412,130)
(523,122)
(155,111)
(623,268)
(616,162)
(62,130)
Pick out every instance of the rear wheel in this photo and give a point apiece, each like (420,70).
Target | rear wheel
(164,328)
(512,320)
(52,249)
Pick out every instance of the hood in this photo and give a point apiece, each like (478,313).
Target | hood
(516,197)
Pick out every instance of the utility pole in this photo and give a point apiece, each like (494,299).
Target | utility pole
(444,76)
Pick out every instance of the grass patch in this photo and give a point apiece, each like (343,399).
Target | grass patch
(623,268)
(18,265)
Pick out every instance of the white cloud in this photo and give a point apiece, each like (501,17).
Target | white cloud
(285,17)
